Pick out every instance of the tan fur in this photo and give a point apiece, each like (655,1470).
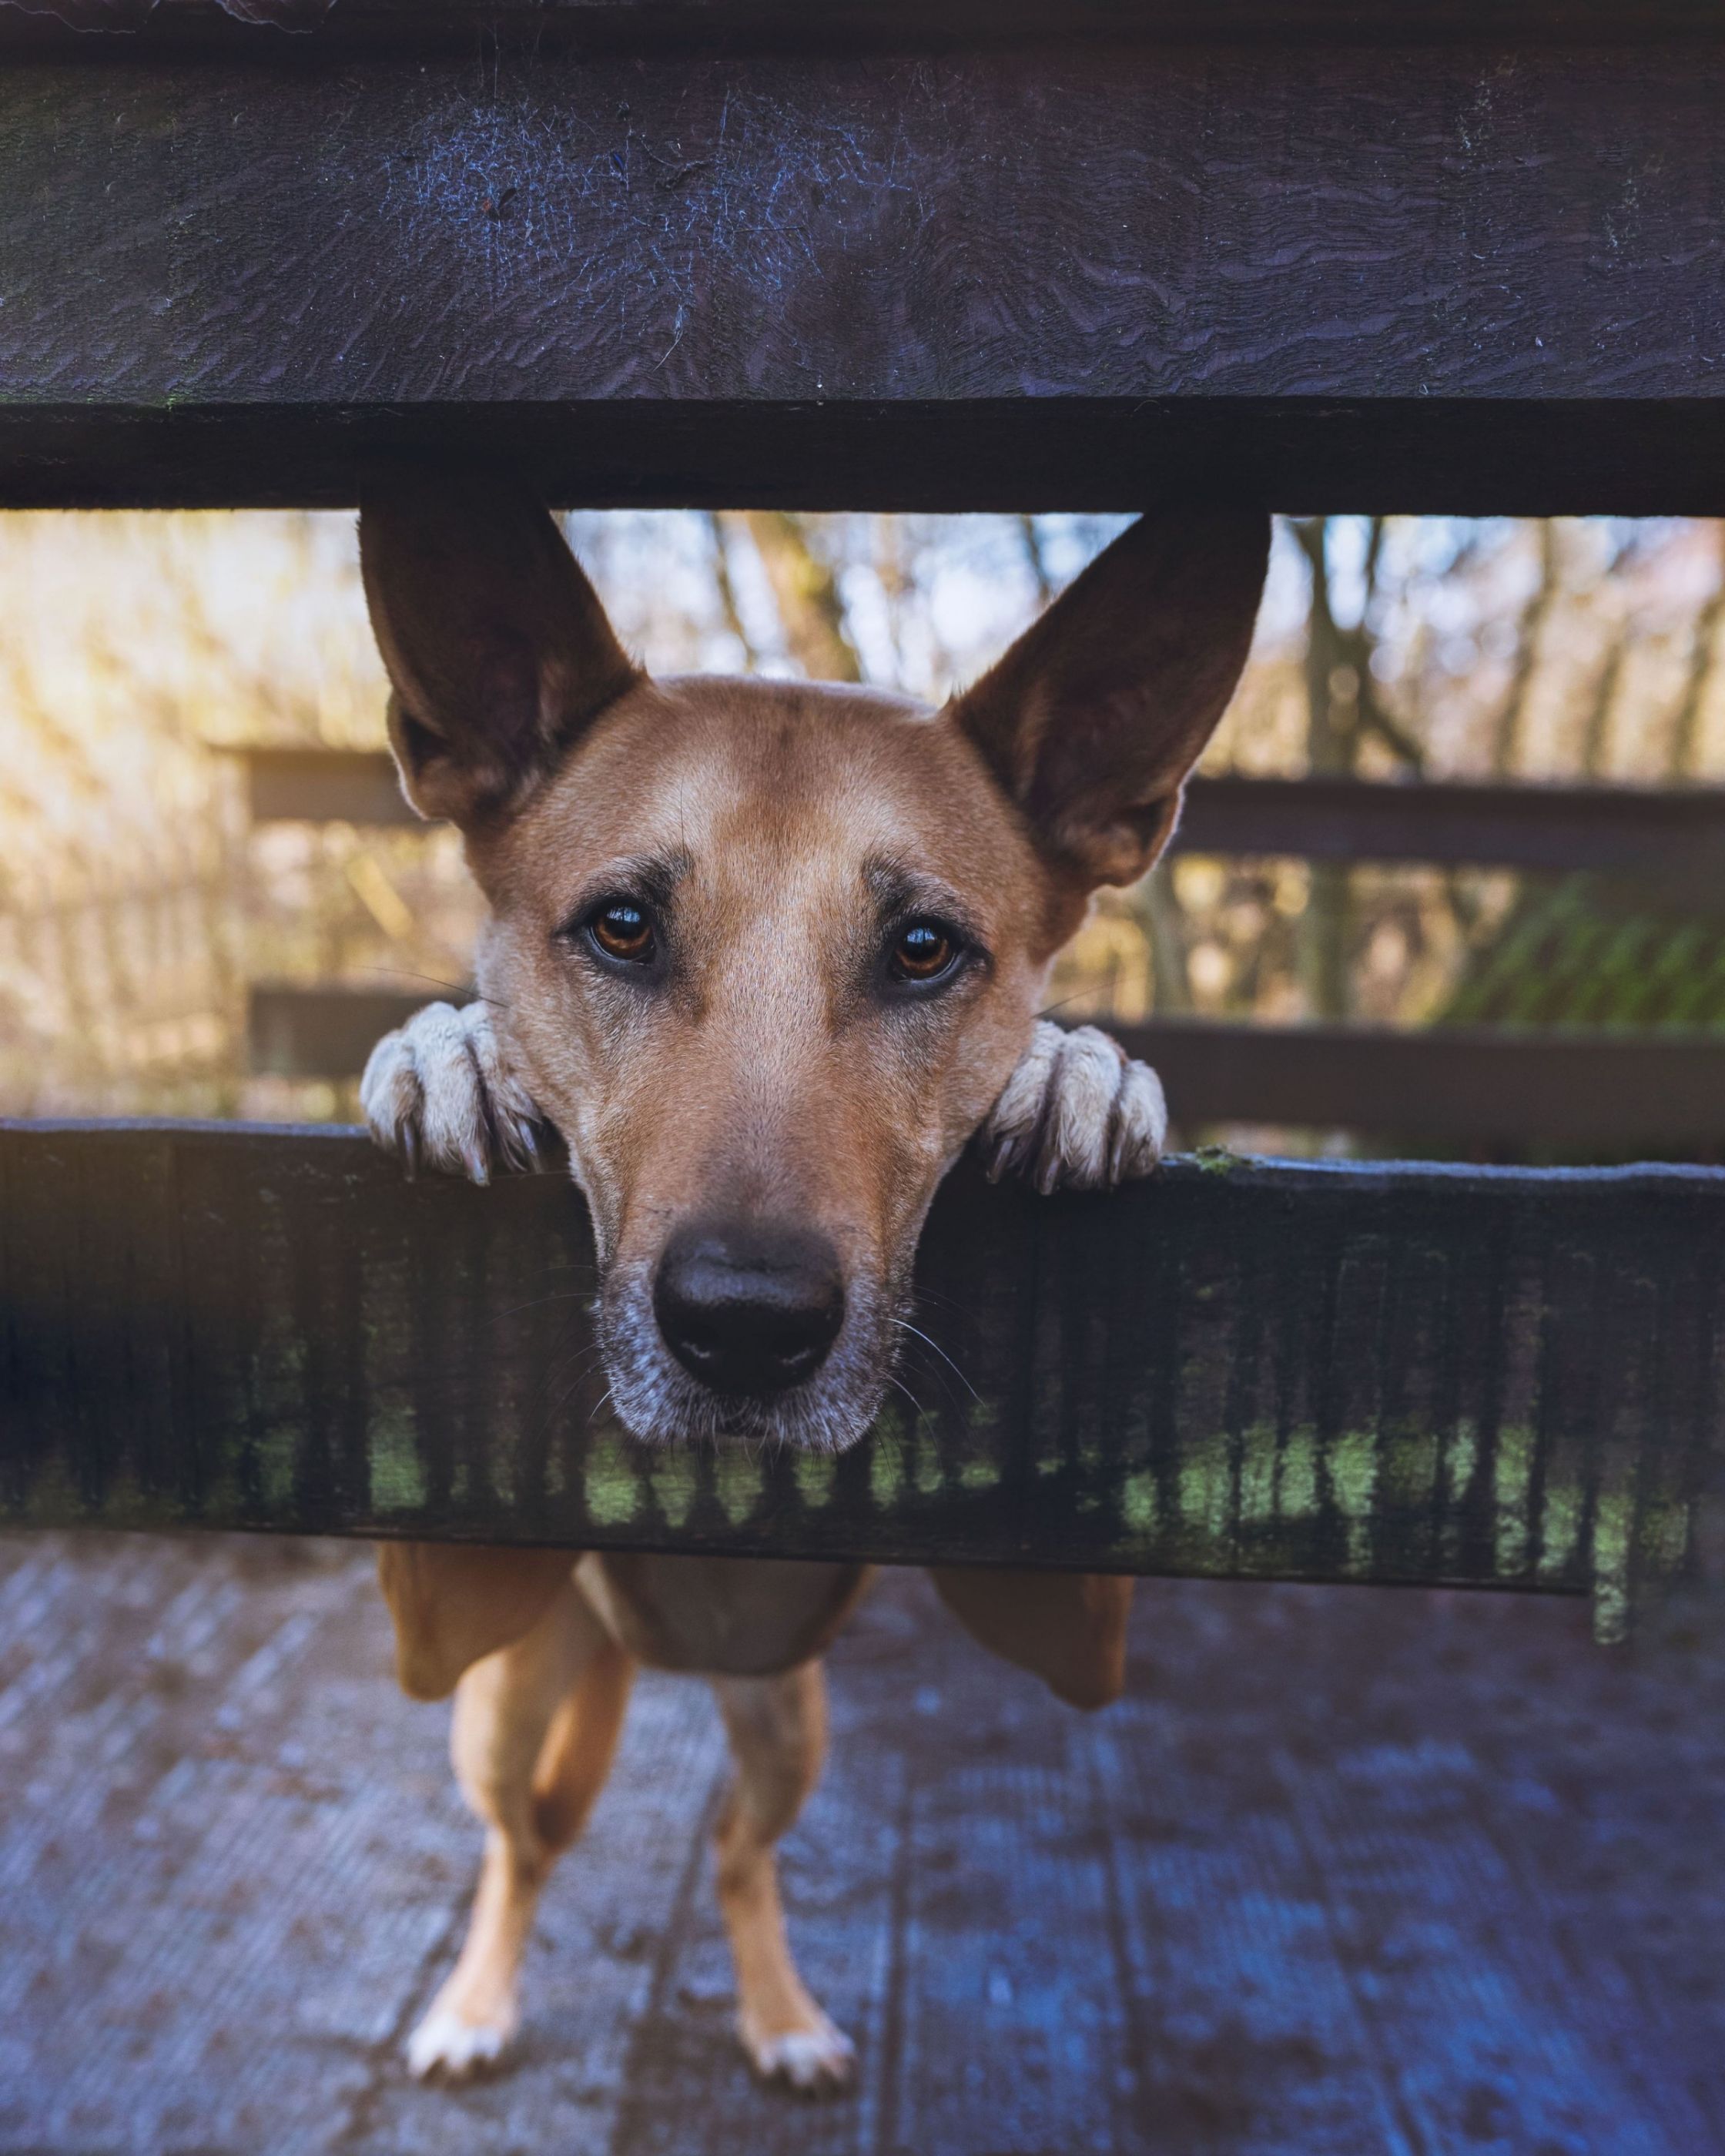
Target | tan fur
(791,1090)
(719,1616)
(1067,1628)
(454,1603)
(769,1070)
(535,1727)
(778,1727)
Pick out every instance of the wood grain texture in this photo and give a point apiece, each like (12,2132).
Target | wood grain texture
(1489,1378)
(1346,1872)
(373,25)
(1460,278)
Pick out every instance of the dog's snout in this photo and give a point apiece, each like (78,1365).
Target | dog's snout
(749,1308)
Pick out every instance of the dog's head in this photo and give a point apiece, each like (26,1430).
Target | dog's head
(767,953)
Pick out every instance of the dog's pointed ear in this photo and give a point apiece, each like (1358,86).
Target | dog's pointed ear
(1095,716)
(1067,1628)
(495,644)
(455,1603)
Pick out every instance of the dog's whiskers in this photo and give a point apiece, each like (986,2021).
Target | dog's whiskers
(898,1386)
(937,1299)
(904,1325)
(432,981)
(544,1302)
(575,1367)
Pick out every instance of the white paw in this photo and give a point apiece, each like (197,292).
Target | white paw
(440,1091)
(817,2062)
(446,2047)
(1077,1113)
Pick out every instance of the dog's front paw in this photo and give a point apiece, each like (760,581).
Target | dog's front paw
(440,1091)
(1078,1113)
(447,2047)
(816,2059)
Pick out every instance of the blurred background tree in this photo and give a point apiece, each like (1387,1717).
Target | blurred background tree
(136,651)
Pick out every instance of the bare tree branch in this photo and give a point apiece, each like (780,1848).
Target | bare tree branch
(806,593)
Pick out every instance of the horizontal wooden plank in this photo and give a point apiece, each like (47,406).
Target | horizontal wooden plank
(1668,837)
(1491,1378)
(1347,1873)
(1674,837)
(1561,1089)
(1458,278)
(373,25)
(324,1033)
(324,786)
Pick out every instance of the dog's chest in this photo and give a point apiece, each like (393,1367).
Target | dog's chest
(719,1616)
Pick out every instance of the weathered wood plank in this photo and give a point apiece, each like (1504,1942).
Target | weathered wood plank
(234,1868)
(324,786)
(369,25)
(1451,279)
(1557,1089)
(1491,1378)
(1672,836)
(323,1033)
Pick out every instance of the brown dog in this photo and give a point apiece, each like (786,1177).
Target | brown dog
(767,956)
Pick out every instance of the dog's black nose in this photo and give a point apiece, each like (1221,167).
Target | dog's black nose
(749,1308)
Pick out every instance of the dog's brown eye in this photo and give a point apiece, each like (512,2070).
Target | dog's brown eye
(623,930)
(923,951)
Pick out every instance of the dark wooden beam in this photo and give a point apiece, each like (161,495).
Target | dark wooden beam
(324,1033)
(1557,1090)
(1673,837)
(1579,1089)
(367,26)
(1461,277)
(1488,1377)
(1670,838)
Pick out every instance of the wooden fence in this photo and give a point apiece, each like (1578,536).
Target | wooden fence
(1491,1378)
(1573,1088)
(1664,837)
(1419,255)
(1427,256)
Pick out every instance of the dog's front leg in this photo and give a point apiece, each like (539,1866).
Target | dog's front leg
(440,1090)
(777,1728)
(534,1727)
(1077,1114)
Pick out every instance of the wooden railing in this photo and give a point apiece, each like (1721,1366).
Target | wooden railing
(759,255)
(1572,1088)
(1662,836)
(1490,1378)
(728,252)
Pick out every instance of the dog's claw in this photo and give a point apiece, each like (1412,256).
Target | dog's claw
(440,1091)
(1077,1114)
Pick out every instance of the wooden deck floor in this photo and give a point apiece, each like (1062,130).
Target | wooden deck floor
(1350,1872)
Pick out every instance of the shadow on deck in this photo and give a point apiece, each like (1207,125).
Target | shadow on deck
(1351,1870)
